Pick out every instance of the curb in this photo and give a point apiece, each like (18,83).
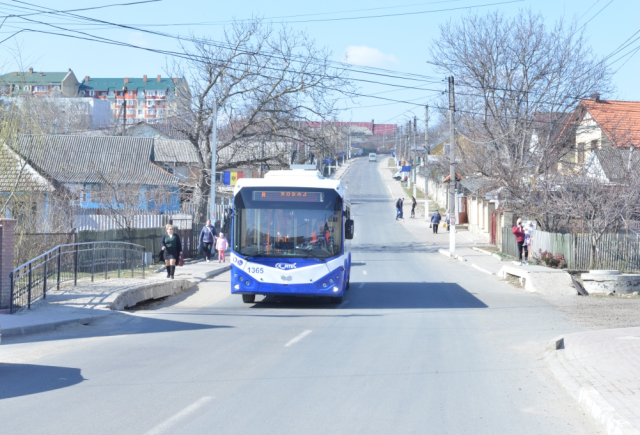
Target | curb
(447,254)
(592,402)
(492,254)
(475,266)
(47,327)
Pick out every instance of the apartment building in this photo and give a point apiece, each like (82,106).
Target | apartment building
(32,82)
(148,100)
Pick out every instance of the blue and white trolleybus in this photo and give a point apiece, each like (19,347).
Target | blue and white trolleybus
(288,233)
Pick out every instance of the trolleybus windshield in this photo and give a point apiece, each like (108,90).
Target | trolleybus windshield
(287,222)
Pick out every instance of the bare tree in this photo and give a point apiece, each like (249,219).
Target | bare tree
(267,84)
(516,77)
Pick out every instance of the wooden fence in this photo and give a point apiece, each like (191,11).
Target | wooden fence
(615,251)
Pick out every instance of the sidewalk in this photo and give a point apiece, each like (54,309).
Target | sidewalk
(601,370)
(90,301)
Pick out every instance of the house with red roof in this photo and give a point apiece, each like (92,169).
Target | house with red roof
(604,125)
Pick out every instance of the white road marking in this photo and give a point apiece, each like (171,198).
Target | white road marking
(364,272)
(298,337)
(361,285)
(162,427)
(388,187)
(344,304)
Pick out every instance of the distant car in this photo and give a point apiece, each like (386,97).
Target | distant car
(373,157)
(398,175)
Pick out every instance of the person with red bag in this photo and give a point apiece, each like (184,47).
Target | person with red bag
(172,247)
(518,231)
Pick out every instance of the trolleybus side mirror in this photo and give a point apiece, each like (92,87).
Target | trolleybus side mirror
(349,229)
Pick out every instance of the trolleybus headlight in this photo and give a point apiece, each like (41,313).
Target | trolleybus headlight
(335,289)
(237,286)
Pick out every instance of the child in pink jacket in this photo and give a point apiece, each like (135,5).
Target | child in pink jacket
(221,245)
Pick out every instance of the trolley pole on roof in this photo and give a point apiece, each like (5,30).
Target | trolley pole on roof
(214,148)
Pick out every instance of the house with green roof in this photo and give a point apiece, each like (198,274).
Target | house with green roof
(150,100)
(39,83)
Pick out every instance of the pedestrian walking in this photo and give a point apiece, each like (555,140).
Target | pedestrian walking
(399,205)
(207,239)
(518,231)
(172,247)
(414,203)
(221,245)
(447,220)
(436,217)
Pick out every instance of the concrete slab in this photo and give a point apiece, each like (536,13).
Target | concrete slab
(540,279)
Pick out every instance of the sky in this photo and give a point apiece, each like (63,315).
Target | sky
(388,34)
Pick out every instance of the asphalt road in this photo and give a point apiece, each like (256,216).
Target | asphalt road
(422,344)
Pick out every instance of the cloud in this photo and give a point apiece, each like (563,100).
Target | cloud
(137,38)
(367,56)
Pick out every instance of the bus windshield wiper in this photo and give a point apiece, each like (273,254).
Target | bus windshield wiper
(310,252)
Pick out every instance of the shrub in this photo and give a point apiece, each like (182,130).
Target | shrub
(548,259)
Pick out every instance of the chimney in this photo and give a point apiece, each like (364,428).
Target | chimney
(159,78)
(126,80)
(175,80)
(30,70)
(86,78)
(144,78)
(595,97)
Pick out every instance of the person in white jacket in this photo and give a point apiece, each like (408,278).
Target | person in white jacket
(221,245)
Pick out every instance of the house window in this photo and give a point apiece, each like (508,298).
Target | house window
(40,89)
(92,93)
(131,112)
(103,93)
(151,93)
(594,145)
(130,93)
(151,112)
(85,193)
(160,93)
(581,153)
(160,113)
(151,103)
(139,112)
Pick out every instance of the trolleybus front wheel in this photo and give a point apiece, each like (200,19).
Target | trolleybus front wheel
(248,299)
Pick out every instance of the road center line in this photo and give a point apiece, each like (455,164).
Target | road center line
(162,427)
(298,337)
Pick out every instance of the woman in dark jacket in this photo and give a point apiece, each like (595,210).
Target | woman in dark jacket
(435,221)
(414,203)
(172,247)
(207,239)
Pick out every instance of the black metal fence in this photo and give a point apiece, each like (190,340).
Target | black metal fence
(72,263)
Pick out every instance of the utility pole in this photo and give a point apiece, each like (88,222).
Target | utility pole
(452,168)
(426,163)
(124,110)
(214,150)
